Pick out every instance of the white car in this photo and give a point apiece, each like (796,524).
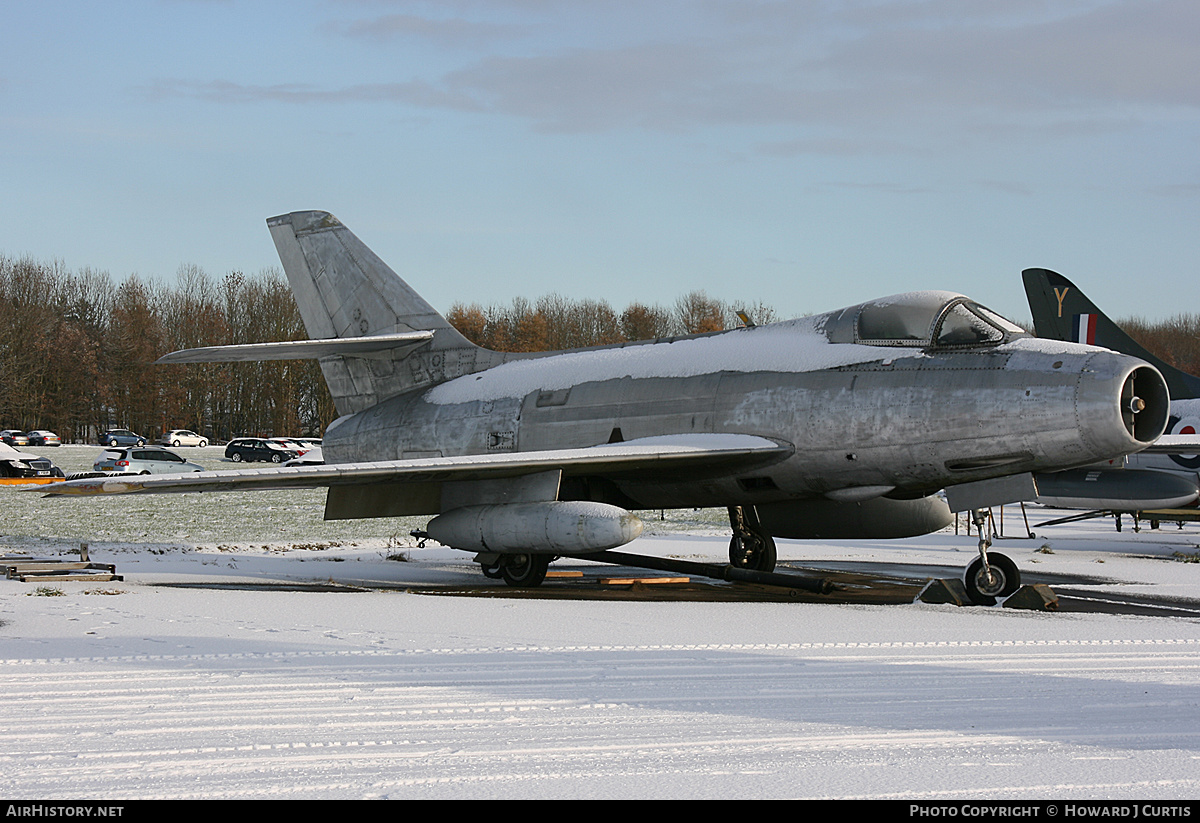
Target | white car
(143,460)
(182,437)
(312,457)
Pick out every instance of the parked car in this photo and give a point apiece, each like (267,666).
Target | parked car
(14,438)
(312,457)
(17,467)
(251,449)
(182,437)
(121,437)
(291,444)
(41,437)
(143,461)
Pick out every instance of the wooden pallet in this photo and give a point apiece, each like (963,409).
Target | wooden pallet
(32,569)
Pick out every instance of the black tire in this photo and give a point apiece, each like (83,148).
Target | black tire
(495,570)
(175,443)
(236,457)
(203,444)
(112,442)
(756,553)
(141,443)
(1006,579)
(275,458)
(143,472)
(525,571)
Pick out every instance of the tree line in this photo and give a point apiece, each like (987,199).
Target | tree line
(1175,341)
(77,347)
(77,352)
(554,322)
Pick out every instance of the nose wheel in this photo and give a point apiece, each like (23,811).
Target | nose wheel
(990,576)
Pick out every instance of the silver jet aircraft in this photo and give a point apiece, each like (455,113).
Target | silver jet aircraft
(841,425)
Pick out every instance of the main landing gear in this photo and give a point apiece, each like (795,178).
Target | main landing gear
(524,571)
(991,575)
(751,547)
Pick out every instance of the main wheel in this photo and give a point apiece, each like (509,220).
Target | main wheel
(755,552)
(203,444)
(175,443)
(1005,579)
(236,457)
(525,570)
(493,570)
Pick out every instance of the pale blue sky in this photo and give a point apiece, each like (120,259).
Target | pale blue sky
(807,154)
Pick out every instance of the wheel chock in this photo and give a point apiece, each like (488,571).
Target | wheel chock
(1039,598)
(949,590)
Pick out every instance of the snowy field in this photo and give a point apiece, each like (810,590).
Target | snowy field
(141,689)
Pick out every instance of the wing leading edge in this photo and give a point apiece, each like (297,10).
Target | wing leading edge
(700,450)
(1175,444)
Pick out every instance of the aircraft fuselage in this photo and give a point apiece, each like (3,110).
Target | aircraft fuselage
(862,420)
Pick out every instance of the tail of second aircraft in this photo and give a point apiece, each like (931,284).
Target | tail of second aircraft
(1062,312)
(344,291)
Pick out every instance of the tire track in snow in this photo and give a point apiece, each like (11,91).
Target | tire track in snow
(803,719)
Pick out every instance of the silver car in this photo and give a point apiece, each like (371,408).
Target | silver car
(182,437)
(143,460)
(41,437)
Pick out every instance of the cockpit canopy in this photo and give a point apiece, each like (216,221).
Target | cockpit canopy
(922,319)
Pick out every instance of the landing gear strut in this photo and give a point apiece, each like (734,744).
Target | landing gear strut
(751,547)
(991,575)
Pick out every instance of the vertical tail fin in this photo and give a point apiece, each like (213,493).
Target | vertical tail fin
(344,290)
(1062,312)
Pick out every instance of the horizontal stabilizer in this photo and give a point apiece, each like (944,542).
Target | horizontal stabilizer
(676,451)
(393,345)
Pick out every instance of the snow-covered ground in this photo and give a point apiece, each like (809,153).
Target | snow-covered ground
(138,689)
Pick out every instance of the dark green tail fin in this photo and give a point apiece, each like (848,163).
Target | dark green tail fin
(1062,312)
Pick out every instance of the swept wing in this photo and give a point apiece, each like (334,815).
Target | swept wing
(707,451)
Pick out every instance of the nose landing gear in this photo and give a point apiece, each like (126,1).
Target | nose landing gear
(991,575)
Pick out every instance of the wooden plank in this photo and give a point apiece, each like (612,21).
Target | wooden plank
(627,581)
(41,577)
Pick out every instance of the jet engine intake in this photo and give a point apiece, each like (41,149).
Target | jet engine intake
(550,527)
(1145,404)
